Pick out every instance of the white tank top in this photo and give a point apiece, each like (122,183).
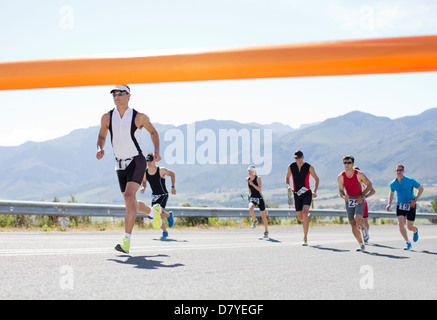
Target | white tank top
(125,136)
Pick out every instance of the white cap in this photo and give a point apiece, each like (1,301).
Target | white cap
(251,168)
(120,87)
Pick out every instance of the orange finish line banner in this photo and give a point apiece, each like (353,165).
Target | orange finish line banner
(373,56)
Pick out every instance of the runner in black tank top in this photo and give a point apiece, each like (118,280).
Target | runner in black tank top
(300,172)
(157,183)
(156,178)
(256,199)
(300,176)
(254,193)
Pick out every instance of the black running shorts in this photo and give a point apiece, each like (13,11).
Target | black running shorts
(302,200)
(409,214)
(134,172)
(259,202)
(160,199)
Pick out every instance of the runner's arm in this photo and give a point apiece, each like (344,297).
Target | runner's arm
(341,188)
(144,122)
(143,184)
(390,199)
(363,179)
(419,193)
(101,138)
(316,180)
(287,179)
(166,172)
(371,193)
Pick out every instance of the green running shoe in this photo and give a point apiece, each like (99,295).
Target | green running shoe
(157,222)
(124,246)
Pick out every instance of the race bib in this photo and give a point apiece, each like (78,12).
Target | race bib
(155,197)
(302,191)
(121,164)
(352,203)
(404,206)
(254,200)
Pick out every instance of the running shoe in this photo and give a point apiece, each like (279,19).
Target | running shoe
(164,235)
(254,223)
(361,248)
(157,222)
(305,243)
(416,235)
(266,235)
(408,246)
(170,219)
(124,246)
(365,236)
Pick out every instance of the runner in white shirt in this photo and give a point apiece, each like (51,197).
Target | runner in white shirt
(124,125)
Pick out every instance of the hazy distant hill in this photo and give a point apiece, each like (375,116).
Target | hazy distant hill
(377,143)
(203,155)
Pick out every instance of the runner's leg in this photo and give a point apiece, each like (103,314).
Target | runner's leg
(252,210)
(401,223)
(356,232)
(131,205)
(306,220)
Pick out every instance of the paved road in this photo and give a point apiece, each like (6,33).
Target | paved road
(218,264)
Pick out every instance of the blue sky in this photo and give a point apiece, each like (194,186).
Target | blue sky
(61,29)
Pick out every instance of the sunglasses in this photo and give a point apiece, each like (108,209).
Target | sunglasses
(399,170)
(347,162)
(119,93)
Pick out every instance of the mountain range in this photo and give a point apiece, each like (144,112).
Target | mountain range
(210,158)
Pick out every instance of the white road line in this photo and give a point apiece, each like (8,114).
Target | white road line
(183,246)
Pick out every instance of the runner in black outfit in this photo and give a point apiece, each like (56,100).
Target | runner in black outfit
(256,199)
(300,171)
(156,177)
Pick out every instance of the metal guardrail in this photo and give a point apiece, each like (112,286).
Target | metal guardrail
(104,210)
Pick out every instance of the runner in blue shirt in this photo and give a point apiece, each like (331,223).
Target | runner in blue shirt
(406,205)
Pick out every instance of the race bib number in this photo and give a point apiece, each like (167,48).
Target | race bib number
(122,164)
(302,191)
(155,197)
(254,200)
(352,203)
(404,206)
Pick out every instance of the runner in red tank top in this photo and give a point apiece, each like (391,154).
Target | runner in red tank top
(349,187)
(352,185)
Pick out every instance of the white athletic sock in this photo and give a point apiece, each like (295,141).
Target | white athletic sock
(127,235)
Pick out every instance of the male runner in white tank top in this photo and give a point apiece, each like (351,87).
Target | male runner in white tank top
(124,125)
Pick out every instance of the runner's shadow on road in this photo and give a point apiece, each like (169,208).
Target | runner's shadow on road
(388,247)
(376,254)
(270,240)
(169,240)
(329,249)
(380,246)
(142,262)
(424,251)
